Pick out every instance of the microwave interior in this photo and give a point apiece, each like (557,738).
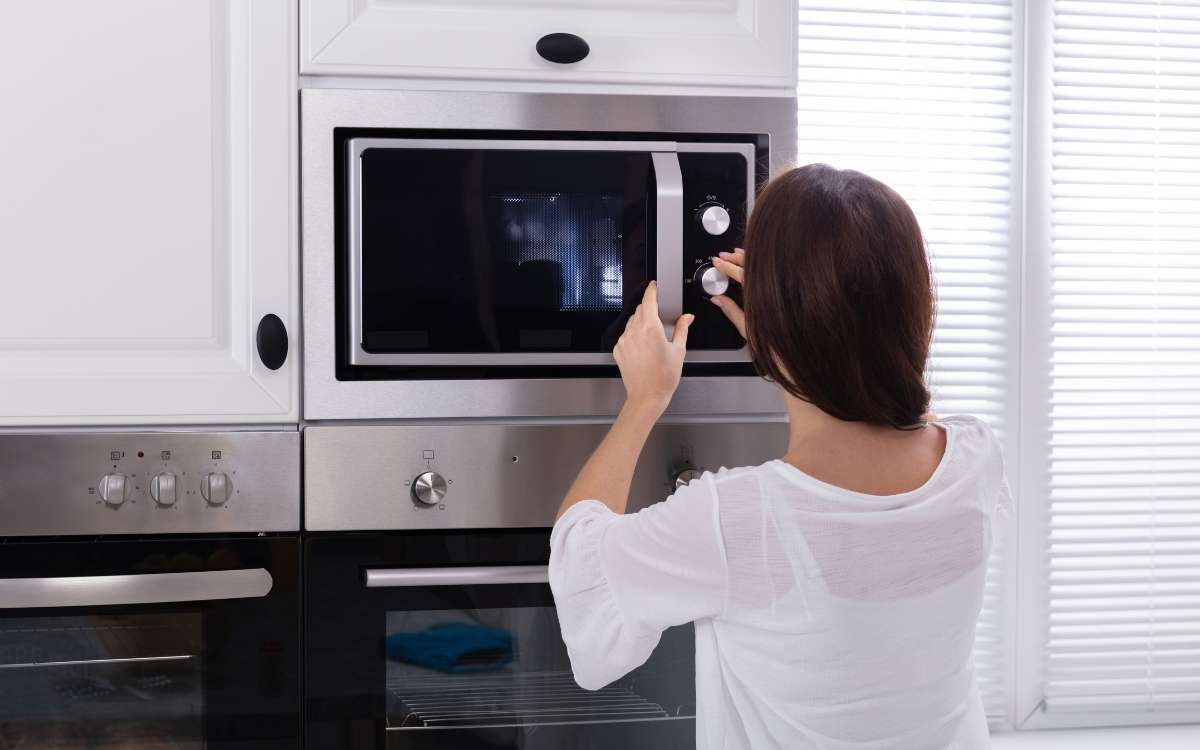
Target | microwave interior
(500,254)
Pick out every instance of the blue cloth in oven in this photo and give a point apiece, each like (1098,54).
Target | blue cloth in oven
(453,647)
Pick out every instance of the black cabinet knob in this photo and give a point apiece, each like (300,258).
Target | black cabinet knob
(563,48)
(272,341)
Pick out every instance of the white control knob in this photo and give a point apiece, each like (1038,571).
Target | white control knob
(686,476)
(114,489)
(215,488)
(712,281)
(162,489)
(715,220)
(429,488)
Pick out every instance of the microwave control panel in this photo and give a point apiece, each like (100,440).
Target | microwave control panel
(149,482)
(715,199)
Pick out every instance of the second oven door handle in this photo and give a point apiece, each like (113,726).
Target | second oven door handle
(142,588)
(668,240)
(489,575)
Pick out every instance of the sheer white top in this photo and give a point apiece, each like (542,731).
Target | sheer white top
(824,618)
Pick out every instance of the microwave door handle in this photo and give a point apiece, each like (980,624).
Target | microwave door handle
(144,588)
(489,575)
(668,181)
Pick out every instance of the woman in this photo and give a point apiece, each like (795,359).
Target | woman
(834,591)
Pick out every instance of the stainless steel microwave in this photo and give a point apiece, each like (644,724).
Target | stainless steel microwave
(478,254)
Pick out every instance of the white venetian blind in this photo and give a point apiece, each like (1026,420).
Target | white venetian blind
(919,95)
(1123,631)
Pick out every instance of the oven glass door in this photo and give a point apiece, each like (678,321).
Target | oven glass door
(528,252)
(468,656)
(180,644)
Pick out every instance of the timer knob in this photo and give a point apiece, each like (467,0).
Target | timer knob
(715,220)
(429,488)
(114,489)
(712,281)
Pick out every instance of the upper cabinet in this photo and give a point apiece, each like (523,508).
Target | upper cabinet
(685,43)
(147,220)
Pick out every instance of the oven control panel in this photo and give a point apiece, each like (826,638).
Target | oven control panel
(149,482)
(491,476)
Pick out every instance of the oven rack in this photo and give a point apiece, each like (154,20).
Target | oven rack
(510,700)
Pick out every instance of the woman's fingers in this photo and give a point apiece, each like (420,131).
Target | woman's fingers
(729,264)
(732,311)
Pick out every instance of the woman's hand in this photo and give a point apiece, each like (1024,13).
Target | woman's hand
(650,365)
(732,265)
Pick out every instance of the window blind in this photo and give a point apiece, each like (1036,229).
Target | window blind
(919,95)
(1123,630)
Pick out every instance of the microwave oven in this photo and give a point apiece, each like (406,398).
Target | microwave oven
(478,254)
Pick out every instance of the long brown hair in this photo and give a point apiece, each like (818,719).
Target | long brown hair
(839,295)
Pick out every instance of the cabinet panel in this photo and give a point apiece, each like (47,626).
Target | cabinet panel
(146,210)
(671,42)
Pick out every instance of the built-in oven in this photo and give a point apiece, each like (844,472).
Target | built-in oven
(150,591)
(495,245)
(429,621)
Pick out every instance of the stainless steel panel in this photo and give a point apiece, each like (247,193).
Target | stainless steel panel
(148,588)
(358,477)
(487,575)
(322,110)
(50,483)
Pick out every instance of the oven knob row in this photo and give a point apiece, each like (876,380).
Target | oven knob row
(715,220)
(215,488)
(429,488)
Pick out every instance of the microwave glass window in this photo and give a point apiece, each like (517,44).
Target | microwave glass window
(476,251)
(500,678)
(102,681)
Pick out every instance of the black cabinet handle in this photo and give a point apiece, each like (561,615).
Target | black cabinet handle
(272,341)
(563,48)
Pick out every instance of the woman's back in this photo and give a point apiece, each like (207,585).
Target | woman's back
(824,617)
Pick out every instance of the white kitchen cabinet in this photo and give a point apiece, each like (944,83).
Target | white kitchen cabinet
(685,43)
(147,220)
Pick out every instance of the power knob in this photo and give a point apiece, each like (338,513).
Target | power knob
(715,220)
(162,489)
(114,489)
(429,488)
(712,281)
(685,475)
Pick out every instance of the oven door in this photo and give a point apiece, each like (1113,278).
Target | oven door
(469,252)
(451,640)
(179,643)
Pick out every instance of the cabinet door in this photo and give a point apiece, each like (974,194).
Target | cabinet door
(146,210)
(667,42)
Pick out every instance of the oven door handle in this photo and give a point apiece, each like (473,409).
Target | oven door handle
(668,238)
(488,575)
(142,588)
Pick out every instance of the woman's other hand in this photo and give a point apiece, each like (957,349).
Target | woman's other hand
(732,265)
(650,365)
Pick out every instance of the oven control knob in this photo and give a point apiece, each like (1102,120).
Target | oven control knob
(429,488)
(114,489)
(215,488)
(712,281)
(686,476)
(162,489)
(715,220)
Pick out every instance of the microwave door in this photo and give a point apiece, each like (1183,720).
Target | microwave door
(469,253)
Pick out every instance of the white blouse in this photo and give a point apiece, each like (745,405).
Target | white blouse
(824,618)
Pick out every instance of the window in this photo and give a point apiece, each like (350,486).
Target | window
(1122,496)
(919,95)
(1052,154)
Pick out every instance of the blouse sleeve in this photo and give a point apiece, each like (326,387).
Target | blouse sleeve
(620,580)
